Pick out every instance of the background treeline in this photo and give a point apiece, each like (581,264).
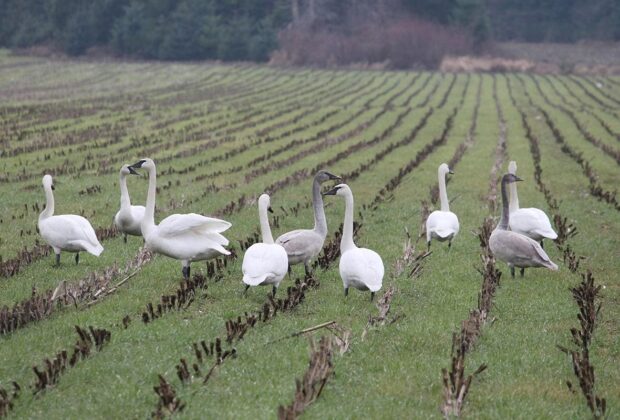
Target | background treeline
(403,32)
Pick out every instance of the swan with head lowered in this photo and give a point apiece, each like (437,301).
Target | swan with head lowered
(303,245)
(264,263)
(186,237)
(67,232)
(128,218)
(513,248)
(361,268)
(442,225)
(531,222)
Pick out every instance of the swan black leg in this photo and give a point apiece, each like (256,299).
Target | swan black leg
(125,238)
(372,296)
(58,260)
(512,271)
(542,245)
(346,292)
(186,272)
(274,289)
(522,271)
(290,271)
(428,246)
(308,270)
(77,258)
(449,245)
(245,291)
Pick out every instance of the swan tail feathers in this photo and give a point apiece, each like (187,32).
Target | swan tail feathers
(254,280)
(95,250)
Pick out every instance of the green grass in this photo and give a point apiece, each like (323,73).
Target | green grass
(170,110)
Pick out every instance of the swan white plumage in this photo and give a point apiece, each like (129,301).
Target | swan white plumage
(531,222)
(128,218)
(361,268)
(67,232)
(442,225)
(186,237)
(303,245)
(513,248)
(264,263)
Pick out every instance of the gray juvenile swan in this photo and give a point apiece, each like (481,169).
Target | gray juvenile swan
(303,245)
(513,248)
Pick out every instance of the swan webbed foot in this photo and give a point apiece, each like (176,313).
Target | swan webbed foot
(77,258)
(522,271)
(58,260)
(346,292)
(372,296)
(186,272)
(512,271)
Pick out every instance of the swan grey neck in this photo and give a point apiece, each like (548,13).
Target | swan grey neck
(320,223)
(503,222)
(49,203)
(443,195)
(514,198)
(149,215)
(346,243)
(265,230)
(125,201)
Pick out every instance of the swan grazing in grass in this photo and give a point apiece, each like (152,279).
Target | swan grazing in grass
(264,263)
(186,237)
(361,268)
(68,232)
(530,222)
(513,248)
(303,245)
(442,225)
(128,218)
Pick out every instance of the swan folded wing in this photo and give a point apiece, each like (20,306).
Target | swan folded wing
(532,221)
(179,224)
(300,242)
(523,249)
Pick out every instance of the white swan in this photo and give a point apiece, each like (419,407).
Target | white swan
(264,263)
(68,232)
(128,218)
(513,248)
(186,237)
(442,225)
(361,268)
(303,245)
(531,222)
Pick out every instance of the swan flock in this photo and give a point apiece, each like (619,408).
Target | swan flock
(193,237)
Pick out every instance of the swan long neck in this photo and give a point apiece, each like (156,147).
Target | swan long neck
(320,223)
(125,201)
(265,230)
(346,243)
(514,198)
(503,222)
(443,195)
(49,203)
(149,214)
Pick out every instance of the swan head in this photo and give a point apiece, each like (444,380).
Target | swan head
(47,182)
(264,202)
(445,169)
(128,170)
(322,176)
(145,163)
(510,178)
(340,189)
(512,167)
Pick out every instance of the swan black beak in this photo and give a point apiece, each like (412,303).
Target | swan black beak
(132,171)
(269,209)
(450,171)
(333,191)
(332,176)
(518,179)
(53,188)
(138,164)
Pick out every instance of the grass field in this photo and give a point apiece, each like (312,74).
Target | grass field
(221,136)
